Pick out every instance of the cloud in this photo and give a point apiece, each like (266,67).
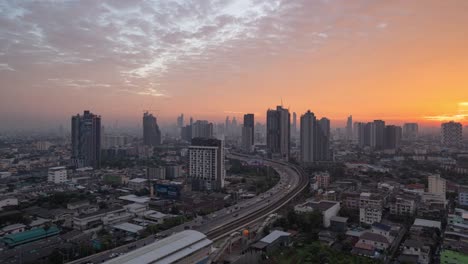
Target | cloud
(127,45)
(6,67)
(382,25)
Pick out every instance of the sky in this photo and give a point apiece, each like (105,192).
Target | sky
(392,60)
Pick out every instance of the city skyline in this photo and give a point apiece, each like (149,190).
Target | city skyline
(372,60)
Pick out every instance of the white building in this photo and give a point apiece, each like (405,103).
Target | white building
(188,246)
(451,134)
(370,208)
(57,175)
(328,209)
(206,164)
(437,185)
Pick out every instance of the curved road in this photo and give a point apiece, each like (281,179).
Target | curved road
(228,220)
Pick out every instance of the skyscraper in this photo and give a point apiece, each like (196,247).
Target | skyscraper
(248,132)
(410,131)
(278,129)
(202,129)
(180,121)
(151,132)
(206,164)
(294,125)
(227,126)
(451,134)
(349,128)
(377,134)
(86,139)
(314,138)
(364,134)
(392,137)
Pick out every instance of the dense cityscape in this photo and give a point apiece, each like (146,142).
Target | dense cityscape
(233,132)
(235,192)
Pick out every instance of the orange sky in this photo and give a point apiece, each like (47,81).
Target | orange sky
(392,60)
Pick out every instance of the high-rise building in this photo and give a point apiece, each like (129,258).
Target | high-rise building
(180,121)
(151,132)
(294,125)
(202,129)
(186,133)
(227,126)
(86,139)
(437,185)
(248,132)
(451,134)
(378,134)
(314,138)
(349,128)
(278,129)
(206,164)
(410,131)
(392,137)
(364,134)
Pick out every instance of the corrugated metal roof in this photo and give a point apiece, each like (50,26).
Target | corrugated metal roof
(167,250)
(274,236)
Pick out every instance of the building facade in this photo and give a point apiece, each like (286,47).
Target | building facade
(86,139)
(151,132)
(451,134)
(278,132)
(206,164)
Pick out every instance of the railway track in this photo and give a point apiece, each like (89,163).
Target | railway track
(271,208)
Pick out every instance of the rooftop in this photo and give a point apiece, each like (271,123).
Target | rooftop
(128,227)
(374,237)
(167,250)
(138,180)
(381,226)
(273,236)
(427,223)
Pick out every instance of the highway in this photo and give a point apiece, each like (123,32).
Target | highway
(228,220)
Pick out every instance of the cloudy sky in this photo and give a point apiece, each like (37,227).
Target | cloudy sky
(394,60)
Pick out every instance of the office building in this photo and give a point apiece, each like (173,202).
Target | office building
(314,142)
(86,139)
(206,164)
(202,129)
(294,125)
(57,175)
(392,137)
(186,133)
(248,132)
(377,136)
(278,129)
(349,128)
(180,121)
(451,134)
(151,132)
(410,131)
(437,185)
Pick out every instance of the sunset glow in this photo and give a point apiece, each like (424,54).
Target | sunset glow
(393,60)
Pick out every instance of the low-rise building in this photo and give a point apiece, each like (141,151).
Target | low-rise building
(463,195)
(402,206)
(327,208)
(57,175)
(138,184)
(273,241)
(370,208)
(8,201)
(414,251)
(188,246)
